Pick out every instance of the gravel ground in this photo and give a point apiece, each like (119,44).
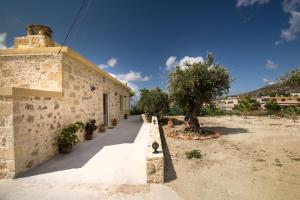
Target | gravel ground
(254,159)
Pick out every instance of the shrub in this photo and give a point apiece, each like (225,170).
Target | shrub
(272,107)
(211,110)
(175,110)
(90,127)
(153,101)
(193,154)
(68,134)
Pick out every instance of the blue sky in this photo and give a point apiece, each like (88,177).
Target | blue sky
(257,40)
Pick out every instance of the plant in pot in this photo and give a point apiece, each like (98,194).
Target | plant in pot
(114,122)
(149,117)
(90,127)
(125,116)
(102,128)
(68,137)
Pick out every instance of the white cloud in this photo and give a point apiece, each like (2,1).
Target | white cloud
(112,62)
(268,82)
(109,63)
(2,40)
(271,64)
(245,3)
(189,60)
(130,77)
(291,32)
(292,8)
(172,62)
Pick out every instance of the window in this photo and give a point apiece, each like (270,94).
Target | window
(121,103)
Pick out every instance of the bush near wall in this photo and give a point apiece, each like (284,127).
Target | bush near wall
(211,110)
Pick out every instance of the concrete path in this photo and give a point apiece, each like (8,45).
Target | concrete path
(125,132)
(111,166)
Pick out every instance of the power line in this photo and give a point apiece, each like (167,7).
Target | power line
(73,24)
(81,19)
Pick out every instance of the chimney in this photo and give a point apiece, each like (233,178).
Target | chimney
(37,36)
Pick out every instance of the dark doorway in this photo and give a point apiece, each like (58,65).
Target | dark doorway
(105,109)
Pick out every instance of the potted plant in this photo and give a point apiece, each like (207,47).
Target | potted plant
(125,116)
(90,127)
(114,122)
(149,117)
(102,128)
(68,137)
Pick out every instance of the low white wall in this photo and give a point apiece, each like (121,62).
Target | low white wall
(155,161)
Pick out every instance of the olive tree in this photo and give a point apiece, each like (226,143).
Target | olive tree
(291,78)
(195,84)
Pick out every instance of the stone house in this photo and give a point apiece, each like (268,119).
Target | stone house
(44,87)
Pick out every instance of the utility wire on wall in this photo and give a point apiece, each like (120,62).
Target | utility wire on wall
(78,18)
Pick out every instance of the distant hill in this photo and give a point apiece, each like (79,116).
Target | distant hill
(278,88)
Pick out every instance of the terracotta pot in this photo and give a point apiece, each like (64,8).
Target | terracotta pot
(89,136)
(102,129)
(149,118)
(66,148)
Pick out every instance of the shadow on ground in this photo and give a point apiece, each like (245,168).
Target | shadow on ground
(169,170)
(227,131)
(125,132)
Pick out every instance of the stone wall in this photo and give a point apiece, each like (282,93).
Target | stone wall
(83,94)
(32,113)
(7,163)
(155,161)
(34,41)
(37,122)
(40,71)
(29,126)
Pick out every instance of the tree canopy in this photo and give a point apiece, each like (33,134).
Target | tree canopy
(197,83)
(247,104)
(153,101)
(272,107)
(291,78)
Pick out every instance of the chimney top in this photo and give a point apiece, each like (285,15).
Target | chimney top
(37,29)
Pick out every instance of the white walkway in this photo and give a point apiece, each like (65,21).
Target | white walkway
(94,169)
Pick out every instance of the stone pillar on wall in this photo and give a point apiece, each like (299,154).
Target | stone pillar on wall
(7,162)
(37,36)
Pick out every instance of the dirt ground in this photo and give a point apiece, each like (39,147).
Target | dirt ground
(253,159)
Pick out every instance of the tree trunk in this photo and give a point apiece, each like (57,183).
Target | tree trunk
(192,119)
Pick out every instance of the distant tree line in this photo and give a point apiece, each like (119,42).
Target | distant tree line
(193,89)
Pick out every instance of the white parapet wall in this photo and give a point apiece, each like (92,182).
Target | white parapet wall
(155,161)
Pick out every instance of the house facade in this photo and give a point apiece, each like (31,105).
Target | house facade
(43,88)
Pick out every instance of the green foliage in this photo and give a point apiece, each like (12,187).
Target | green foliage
(247,104)
(292,112)
(195,84)
(153,101)
(90,126)
(193,154)
(198,83)
(134,110)
(211,110)
(292,78)
(132,93)
(175,110)
(272,107)
(68,134)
